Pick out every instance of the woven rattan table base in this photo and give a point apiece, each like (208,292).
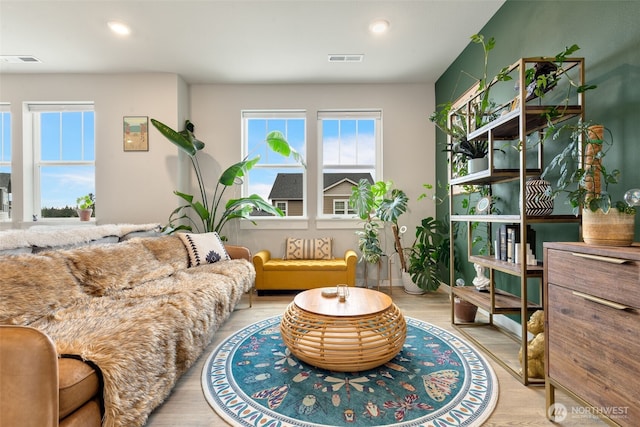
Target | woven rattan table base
(344,343)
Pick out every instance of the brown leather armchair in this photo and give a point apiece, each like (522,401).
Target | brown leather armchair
(39,389)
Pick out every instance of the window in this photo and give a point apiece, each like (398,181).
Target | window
(341,207)
(5,162)
(63,138)
(350,147)
(279,180)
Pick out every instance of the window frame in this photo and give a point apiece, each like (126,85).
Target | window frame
(269,222)
(32,151)
(345,220)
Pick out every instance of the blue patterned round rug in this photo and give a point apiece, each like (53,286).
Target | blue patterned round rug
(251,379)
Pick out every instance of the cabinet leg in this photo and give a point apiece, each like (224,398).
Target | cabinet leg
(550,398)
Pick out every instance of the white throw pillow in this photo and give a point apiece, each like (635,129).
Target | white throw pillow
(205,248)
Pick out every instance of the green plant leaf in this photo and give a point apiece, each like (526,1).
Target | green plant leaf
(230,176)
(180,140)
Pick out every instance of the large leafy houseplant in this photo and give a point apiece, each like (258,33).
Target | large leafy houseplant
(373,203)
(585,179)
(212,214)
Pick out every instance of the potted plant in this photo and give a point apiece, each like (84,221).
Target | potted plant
(458,123)
(373,203)
(585,180)
(85,207)
(214,215)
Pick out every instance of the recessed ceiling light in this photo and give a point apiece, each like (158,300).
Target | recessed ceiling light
(119,28)
(379,26)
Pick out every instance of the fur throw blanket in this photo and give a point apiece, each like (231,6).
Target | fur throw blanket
(133,309)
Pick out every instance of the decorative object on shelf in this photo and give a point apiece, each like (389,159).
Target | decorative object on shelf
(583,184)
(206,212)
(463,310)
(481,282)
(483,206)
(535,347)
(135,133)
(477,165)
(539,200)
(85,204)
(632,197)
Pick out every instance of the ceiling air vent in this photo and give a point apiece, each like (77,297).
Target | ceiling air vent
(346,58)
(19,59)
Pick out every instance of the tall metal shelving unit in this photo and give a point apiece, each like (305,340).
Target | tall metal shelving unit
(521,116)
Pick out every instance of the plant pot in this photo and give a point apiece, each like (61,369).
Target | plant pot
(611,229)
(538,198)
(477,165)
(464,311)
(410,287)
(85,214)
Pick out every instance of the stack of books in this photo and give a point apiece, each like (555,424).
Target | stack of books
(507,244)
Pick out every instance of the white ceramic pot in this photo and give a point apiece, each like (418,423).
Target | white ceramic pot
(410,287)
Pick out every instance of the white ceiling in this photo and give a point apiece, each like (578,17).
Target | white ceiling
(243,41)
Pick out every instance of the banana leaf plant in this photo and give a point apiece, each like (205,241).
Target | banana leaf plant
(373,203)
(213,215)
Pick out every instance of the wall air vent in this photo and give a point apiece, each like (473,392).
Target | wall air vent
(19,59)
(346,58)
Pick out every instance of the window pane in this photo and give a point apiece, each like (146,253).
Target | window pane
(66,166)
(349,147)
(279,186)
(50,136)
(60,186)
(277,179)
(5,166)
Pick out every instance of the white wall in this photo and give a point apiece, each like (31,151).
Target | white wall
(408,138)
(137,187)
(134,187)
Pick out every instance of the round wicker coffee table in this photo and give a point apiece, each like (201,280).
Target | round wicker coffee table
(363,332)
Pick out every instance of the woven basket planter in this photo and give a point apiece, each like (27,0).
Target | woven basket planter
(611,229)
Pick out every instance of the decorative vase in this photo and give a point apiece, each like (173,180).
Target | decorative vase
(410,287)
(477,165)
(538,197)
(611,229)
(465,311)
(85,214)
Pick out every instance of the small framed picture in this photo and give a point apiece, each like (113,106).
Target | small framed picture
(135,133)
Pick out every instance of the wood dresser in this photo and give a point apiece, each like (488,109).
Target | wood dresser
(592,330)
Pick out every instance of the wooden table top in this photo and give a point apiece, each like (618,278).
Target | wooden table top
(360,302)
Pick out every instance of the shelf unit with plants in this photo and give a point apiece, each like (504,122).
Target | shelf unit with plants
(548,91)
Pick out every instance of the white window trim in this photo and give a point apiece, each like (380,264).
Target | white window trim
(30,173)
(329,221)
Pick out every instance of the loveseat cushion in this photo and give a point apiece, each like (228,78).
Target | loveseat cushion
(33,286)
(78,384)
(305,264)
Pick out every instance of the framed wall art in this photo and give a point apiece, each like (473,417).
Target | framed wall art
(135,133)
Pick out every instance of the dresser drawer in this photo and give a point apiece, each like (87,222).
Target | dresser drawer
(602,277)
(593,350)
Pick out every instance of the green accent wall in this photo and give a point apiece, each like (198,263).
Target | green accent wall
(609,38)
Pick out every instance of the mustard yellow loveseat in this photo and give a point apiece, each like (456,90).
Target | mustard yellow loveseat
(298,274)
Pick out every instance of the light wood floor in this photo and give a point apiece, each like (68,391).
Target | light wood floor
(517,405)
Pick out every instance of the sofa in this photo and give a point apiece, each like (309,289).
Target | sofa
(306,264)
(125,321)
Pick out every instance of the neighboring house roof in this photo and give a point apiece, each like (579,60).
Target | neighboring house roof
(288,186)
(5,181)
